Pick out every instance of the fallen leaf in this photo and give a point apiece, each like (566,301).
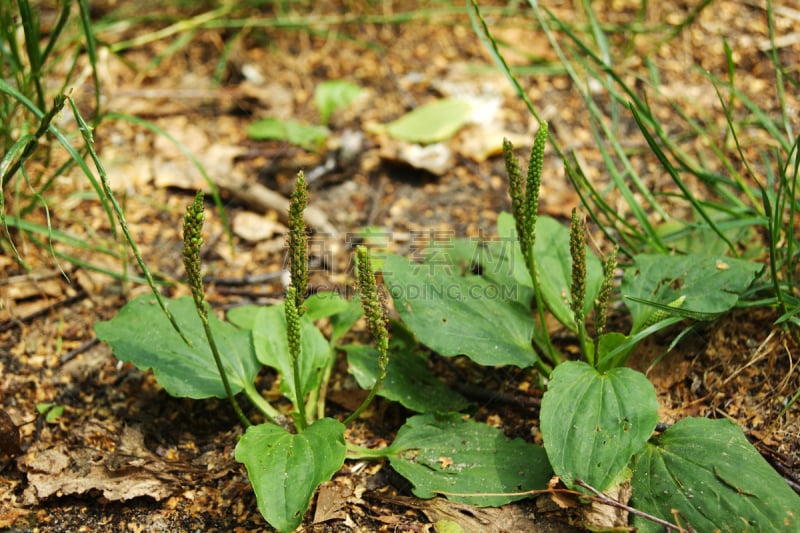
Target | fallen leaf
(331,499)
(61,471)
(435,158)
(253,227)
(9,436)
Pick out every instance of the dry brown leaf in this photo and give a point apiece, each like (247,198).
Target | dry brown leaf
(331,499)
(505,519)
(60,471)
(9,436)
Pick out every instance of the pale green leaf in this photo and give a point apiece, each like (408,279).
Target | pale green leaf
(333,95)
(306,136)
(431,122)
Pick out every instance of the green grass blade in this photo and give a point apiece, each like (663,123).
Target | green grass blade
(109,195)
(91,52)
(667,165)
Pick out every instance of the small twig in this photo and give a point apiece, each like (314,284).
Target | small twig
(602,498)
(85,345)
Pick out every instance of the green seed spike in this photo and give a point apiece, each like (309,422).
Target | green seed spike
(534,180)
(577,249)
(371,302)
(601,303)
(376,321)
(294,342)
(298,253)
(192,243)
(516,190)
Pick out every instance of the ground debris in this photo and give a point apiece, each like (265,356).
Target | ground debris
(131,471)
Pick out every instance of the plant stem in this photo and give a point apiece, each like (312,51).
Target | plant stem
(359,452)
(192,243)
(202,312)
(264,407)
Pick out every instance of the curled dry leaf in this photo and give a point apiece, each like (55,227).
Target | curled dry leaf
(9,436)
(60,471)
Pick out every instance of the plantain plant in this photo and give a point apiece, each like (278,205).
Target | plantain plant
(288,450)
(598,418)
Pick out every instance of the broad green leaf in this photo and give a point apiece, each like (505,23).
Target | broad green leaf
(243,317)
(272,349)
(343,313)
(407,375)
(285,469)
(462,459)
(141,334)
(498,261)
(325,304)
(554,270)
(456,315)
(306,136)
(593,423)
(431,122)
(717,481)
(333,95)
(706,286)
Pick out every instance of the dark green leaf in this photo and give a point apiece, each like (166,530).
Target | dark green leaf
(717,481)
(407,376)
(456,315)
(698,285)
(141,334)
(462,459)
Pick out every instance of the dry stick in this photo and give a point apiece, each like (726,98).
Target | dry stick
(262,199)
(602,498)
(598,497)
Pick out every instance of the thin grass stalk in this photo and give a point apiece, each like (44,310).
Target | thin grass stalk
(109,195)
(91,52)
(33,143)
(73,153)
(55,31)
(667,165)
(30,27)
